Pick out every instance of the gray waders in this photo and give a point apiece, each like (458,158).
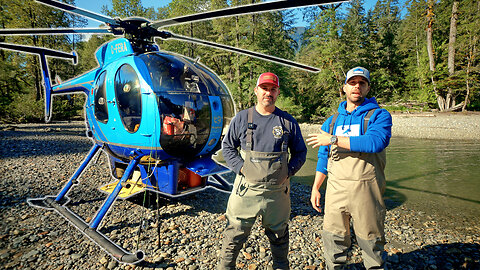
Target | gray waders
(263,190)
(355,187)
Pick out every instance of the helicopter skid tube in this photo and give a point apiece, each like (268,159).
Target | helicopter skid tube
(224,185)
(101,240)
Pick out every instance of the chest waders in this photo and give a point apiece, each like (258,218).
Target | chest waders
(263,189)
(355,187)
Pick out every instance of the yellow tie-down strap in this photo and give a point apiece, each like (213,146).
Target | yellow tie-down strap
(131,187)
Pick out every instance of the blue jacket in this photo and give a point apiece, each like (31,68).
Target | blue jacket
(377,137)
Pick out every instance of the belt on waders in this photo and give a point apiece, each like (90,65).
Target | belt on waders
(269,168)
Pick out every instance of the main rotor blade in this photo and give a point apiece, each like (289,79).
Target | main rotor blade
(240,10)
(57,31)
(270,58)
(79,11)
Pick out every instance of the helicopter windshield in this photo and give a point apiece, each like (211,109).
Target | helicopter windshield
(101,111)
(128,96)
(171,74)
(183,87)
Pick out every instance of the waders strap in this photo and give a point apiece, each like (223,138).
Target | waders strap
(365,121)
(286,133)
(250,129)
(332,123)
(334,153)
(251,126)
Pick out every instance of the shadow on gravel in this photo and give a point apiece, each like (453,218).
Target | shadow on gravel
(46,140)
(444,256)
(9,201)
(209,200)
(48,147)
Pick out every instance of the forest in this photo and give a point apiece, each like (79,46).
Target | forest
(423,55)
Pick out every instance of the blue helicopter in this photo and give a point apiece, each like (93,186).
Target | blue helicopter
(159,116)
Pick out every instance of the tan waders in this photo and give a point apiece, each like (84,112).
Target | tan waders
(263,190)
(356,183)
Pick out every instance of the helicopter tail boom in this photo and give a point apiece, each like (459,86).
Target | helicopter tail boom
(43,53)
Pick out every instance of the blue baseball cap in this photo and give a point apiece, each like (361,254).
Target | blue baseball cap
(358,71)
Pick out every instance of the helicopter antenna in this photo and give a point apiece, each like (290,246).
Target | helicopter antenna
(196,60)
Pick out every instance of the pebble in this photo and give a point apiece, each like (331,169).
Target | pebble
(38,159)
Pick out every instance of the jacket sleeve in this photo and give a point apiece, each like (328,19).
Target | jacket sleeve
(378,134)
(230,146)
(298,150)
(323,151)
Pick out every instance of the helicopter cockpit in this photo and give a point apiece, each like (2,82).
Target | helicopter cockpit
(184,90)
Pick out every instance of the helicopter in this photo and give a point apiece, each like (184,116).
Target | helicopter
(159,116)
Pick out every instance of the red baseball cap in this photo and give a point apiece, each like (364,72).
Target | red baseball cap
(268,77)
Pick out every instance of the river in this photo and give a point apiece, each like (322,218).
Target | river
(436,176)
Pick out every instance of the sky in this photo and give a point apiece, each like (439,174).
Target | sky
(96,6)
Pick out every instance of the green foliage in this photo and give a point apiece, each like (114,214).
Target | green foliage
(24,108)
(338,37)
(287,104)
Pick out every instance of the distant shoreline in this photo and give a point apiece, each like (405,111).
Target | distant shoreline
(431,125)
(444,126)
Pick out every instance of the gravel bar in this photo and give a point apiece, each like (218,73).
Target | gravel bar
(38,159)
(444,126)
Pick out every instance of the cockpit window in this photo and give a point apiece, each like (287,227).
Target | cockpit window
(128,97)
(101,110)
(170,74)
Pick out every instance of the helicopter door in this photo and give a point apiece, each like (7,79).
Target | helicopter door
(129,98)
(101,111)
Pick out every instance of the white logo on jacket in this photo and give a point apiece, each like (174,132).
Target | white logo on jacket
(348,130)
(277,132)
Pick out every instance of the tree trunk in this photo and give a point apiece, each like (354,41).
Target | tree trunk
(453,39)
(450,101)
(420,84)
(470,60)
(431,54)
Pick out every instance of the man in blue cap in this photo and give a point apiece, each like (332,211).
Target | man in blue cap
(352,153)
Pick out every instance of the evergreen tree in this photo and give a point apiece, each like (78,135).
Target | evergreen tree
(383,25)
(413,52)
(319,93)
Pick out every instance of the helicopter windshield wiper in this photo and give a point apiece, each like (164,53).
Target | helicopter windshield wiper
(166,35)
(241,10)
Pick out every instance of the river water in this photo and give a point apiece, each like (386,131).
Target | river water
(434,176)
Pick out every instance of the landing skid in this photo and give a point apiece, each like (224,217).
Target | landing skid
(58,204)
(101,240)
(125,187)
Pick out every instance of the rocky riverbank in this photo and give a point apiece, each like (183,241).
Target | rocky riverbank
(37,160)
(448,126)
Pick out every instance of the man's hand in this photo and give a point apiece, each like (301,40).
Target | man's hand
(315,199)
(317,139)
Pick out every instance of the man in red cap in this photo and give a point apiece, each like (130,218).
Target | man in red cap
(256,148)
